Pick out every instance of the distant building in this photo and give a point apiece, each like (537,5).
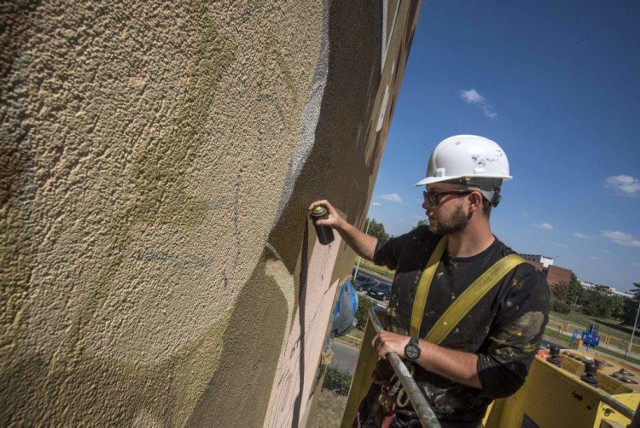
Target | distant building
(624,294)
(558,275)
(554,274)
(544,260)
(536,265)
(607,289)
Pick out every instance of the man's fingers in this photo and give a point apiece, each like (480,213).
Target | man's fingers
(321,202)
(379,345)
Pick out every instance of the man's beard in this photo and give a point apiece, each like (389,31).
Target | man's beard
(456,222)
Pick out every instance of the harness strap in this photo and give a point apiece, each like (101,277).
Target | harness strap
(471,296)
(463,304)
(422,292)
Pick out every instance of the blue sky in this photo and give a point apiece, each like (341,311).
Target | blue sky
(557,85)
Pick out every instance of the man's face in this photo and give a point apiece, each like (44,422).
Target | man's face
(447,212)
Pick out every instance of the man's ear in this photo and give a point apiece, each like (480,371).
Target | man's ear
(475,201)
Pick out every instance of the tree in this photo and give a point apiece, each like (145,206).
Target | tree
(629,311)
(560,291)
(559,306)
(576,293)
(617,304)
(600,302)
(636,292)
(362,314)
(375,229)
(597,304)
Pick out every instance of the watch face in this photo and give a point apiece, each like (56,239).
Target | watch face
(412,351)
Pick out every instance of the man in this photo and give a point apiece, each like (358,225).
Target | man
(485,353)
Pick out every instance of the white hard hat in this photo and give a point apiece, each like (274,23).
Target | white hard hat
(465,157)
(469,160)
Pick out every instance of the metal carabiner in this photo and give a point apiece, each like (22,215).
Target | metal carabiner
(396,386)
(402,393)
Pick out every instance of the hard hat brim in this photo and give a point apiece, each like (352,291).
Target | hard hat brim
(433,180)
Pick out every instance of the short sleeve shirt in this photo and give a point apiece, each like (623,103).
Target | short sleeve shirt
(504,328)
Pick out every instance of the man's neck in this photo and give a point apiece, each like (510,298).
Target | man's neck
(470,242)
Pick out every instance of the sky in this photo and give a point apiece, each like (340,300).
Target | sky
(557,86)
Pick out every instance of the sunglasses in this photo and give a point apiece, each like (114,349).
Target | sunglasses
(433,198)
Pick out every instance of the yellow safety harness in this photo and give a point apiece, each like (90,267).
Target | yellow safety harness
(464,303)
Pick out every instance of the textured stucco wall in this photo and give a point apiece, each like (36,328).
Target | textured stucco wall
(157,162)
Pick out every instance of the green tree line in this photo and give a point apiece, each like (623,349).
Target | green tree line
(373,228)
(597,302)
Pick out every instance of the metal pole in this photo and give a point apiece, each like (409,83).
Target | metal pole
(425,413)
(615,404)
(633,332)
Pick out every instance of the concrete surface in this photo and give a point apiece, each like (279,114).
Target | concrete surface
(158,159)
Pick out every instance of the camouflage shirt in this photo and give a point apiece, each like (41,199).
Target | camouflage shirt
(504,329)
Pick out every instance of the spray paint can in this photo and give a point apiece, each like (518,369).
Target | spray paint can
(325,233)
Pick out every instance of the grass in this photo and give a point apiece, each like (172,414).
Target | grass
(620,357)
(609,327)
(556,336)
(330,410)
(378,270)
(611,331)
(559,337)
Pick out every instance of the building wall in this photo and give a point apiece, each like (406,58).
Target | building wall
(558,275)
(546,261)
(157,164)
(536,265)
(554,274)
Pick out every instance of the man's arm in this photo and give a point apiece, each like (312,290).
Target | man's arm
(461,367)
(364,245)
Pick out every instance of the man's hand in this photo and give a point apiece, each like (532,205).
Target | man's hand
(364,245)
(333,218)
(458,366)
(385,342)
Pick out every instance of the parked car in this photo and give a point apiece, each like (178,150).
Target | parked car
(365,283)
(382,291)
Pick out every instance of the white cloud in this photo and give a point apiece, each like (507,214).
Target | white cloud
(376,204)
(473,97)
(594,258)
(561,245)
(581,235)
(392,197)
(488,111)
(525,214)
(544,226)
(621,238)
(624,184)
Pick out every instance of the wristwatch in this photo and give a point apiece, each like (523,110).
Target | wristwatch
(412,349)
